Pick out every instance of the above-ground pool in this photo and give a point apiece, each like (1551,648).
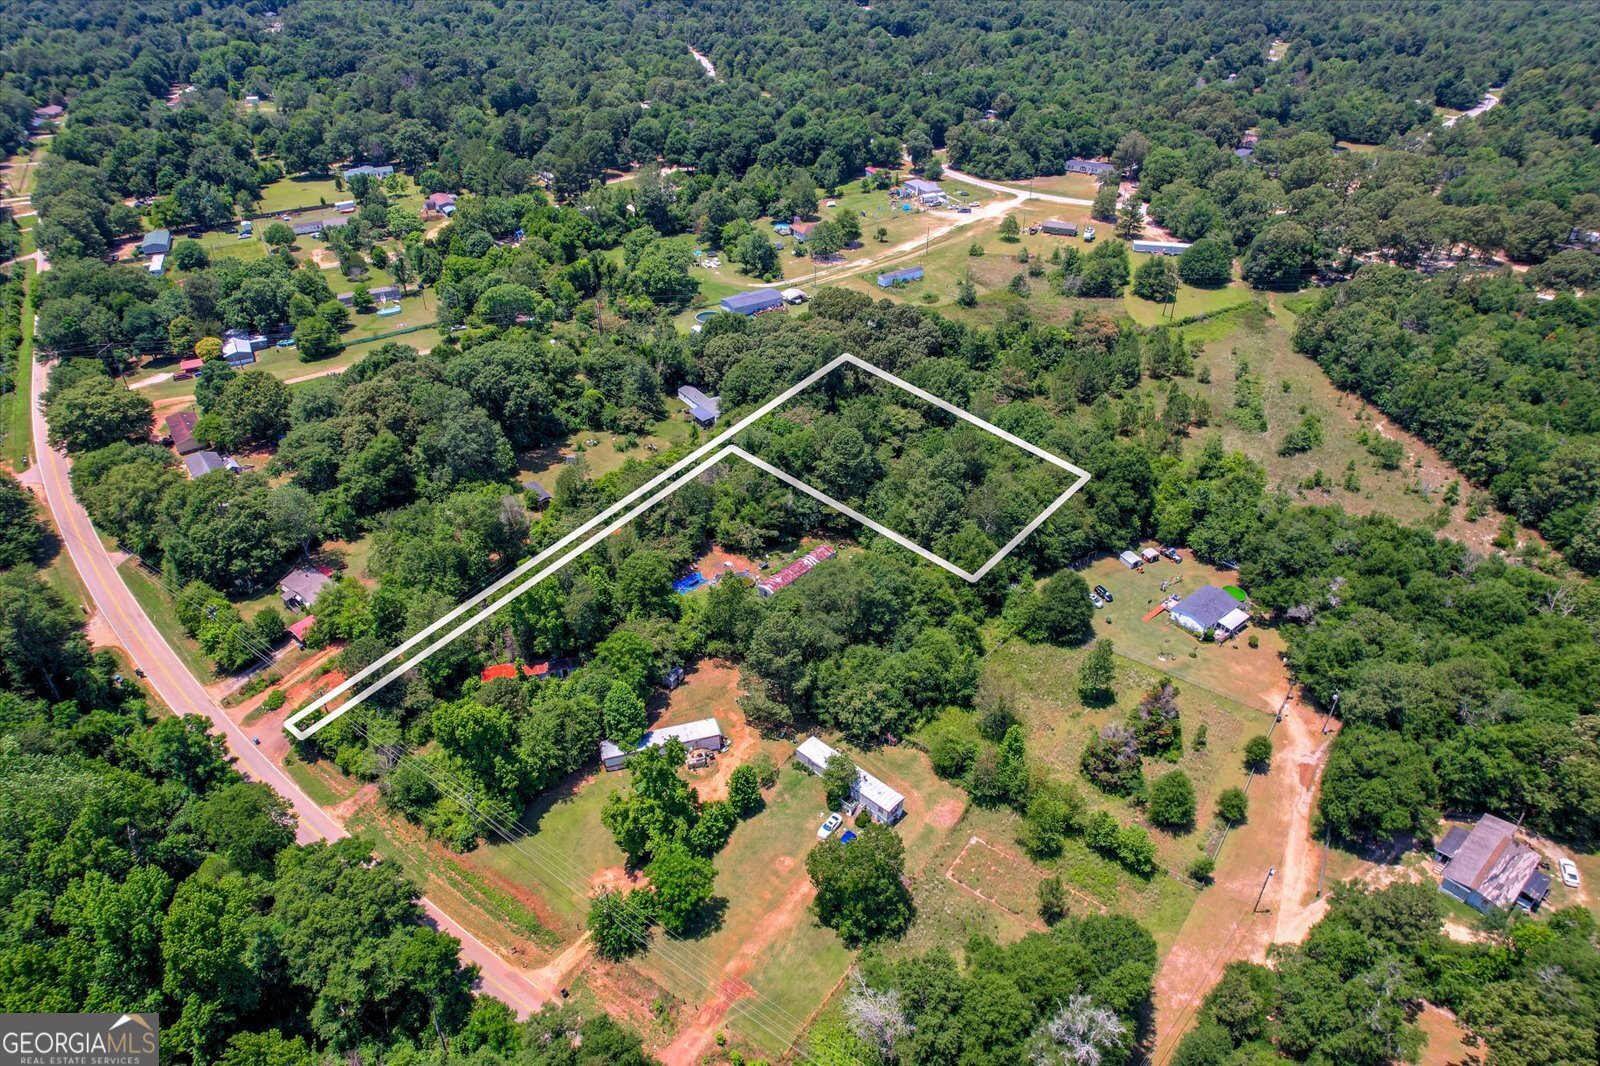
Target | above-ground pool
(706,316)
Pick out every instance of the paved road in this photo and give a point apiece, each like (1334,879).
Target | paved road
(179,690)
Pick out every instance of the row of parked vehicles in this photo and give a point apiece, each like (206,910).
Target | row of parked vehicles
(1100,596)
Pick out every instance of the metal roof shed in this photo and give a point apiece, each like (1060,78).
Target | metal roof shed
(753,302)
(897,277)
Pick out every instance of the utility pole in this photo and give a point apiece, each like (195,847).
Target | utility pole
(1265,882)
(1331,708)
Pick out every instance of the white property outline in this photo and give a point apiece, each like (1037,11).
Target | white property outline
(728,451)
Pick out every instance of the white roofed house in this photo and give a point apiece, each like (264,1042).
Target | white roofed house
(884,803)
(705,734)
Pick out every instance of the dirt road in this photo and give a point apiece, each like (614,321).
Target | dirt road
(1006,190)
(1225,925)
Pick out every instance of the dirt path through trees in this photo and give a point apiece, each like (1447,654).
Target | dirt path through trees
(1225,925)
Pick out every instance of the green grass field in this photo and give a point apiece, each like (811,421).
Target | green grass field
(1292,386)
(1060,726)
(307,190)
(510,920)
(602,457)
(948,261)
(795,970)
(563,848)
(21,170)
(1077,186)
(15,416)
(285,363)
(156,603)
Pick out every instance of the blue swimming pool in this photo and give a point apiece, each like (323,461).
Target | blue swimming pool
(706,316)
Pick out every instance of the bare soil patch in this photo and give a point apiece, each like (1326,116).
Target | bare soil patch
(712,690)
(946,814)
(1446,1044)
(1002,880)
(720,560)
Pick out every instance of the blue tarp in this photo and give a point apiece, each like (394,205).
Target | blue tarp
(848,836)
(685,585)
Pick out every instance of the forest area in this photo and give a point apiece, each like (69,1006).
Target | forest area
(1442,275)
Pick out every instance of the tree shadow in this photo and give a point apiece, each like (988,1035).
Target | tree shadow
(708,919)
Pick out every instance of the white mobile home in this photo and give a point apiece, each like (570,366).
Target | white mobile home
(704,735)
(878,799)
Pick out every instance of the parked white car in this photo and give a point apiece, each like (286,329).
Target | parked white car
(834,821)
(1569,873)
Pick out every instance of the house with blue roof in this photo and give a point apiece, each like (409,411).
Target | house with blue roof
(1210,610)
(899,277)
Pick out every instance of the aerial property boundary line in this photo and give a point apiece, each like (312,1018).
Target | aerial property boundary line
(718,449)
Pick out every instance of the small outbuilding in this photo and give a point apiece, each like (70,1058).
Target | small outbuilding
(753,302)
(1057,228)
(299,630)
(1129,559)
(368,171)
(541,495)
(794,296)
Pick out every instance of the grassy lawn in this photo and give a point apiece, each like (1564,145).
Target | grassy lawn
(286,365)
(948,914)
(563,848)
(326,787)
(791,967)
(604,456)
(1292,386)
(226,243)
(156,603)
(1234,670)
(874,210)
(310,190)
(15,418)
(1076,186)
(1060,727)
(21,169)
(492,911)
